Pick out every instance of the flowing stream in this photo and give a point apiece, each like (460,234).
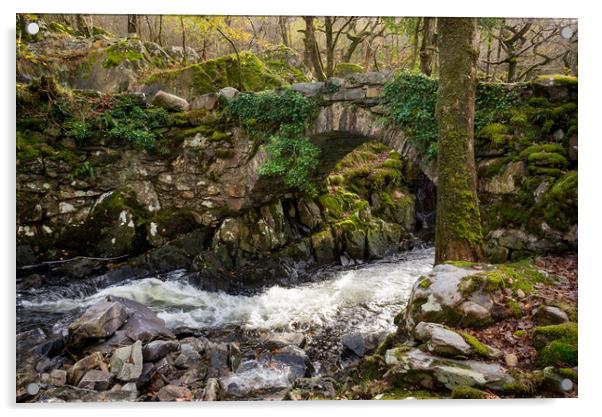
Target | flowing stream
(336,301)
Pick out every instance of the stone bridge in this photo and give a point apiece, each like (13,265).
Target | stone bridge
(347,117)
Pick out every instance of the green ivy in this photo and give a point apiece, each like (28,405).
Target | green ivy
(280,119)
(128,121)
(411,99)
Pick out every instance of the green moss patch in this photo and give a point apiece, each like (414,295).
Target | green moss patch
(121,51)
(468,393)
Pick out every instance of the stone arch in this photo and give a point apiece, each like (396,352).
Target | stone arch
(337,130)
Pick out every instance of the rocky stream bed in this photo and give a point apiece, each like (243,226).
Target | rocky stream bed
(175,341)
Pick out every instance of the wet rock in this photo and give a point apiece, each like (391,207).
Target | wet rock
(293,357)
(96,380)
(355,343)
(254,376)
(99,321)
(174,393)
(81,268)
(441,341)
(126,362)
(323,245)
(547,315)
(188,357)
(415,366)
(169,101)
(280,340)
(142,323)
(81,367)
(157,349)
(119,339)
(29,282)
(383,239)
(218,358)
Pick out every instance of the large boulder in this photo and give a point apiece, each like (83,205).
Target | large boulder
(446,296)
(99,321)
(431,371)
(142,323)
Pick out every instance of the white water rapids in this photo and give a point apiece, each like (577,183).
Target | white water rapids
(377,289)
(338,301)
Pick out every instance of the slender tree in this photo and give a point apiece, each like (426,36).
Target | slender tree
(132,23)
(458,233)
(427,48)
(311,46)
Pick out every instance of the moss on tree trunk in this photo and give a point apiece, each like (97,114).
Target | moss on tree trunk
(458,228)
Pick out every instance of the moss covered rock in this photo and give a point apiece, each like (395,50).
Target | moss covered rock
(210,76)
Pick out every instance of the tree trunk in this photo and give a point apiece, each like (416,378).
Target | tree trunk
(184,51)
(161,30)
(415,44)
(328,24)
(312,48)
(132,24)
(458,233)
(282,22)
(427,48)
(83,27)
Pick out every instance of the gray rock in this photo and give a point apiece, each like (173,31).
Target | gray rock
(212,390)
(438,298)
(280,340)
(96,380)
(218,358)
(56,377)
(126,362)
(308,89)
(142,323)
(188,357)
(81,367)
(205,101)
(324,247)
(430,371)
(68,393)
(441,341)
(169,101)
(293,357)
(370,78)
(157,349)
(309,213)
(355,342)
(547,315)
(99,321)
(174,393)
(228,93)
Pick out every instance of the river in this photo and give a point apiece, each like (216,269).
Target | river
(333,302)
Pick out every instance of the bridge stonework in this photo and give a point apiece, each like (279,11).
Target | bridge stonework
(350,113)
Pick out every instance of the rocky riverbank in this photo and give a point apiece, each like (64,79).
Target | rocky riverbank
(468,331)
